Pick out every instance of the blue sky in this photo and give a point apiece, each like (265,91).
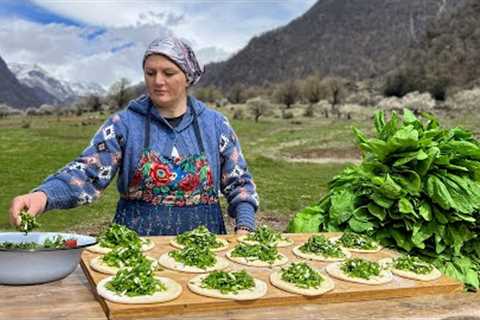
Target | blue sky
(104,40)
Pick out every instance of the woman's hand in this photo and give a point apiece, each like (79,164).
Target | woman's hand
(34,203)
(241,232)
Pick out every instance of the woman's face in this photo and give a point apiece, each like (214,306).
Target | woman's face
(166,83)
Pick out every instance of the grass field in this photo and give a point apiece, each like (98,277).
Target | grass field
(32,148)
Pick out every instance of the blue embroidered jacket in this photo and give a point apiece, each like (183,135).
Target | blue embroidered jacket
(118,144)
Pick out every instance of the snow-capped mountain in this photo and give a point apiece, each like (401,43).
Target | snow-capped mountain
(86,88)
(62,91)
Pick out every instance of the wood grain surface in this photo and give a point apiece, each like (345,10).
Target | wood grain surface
(190,303)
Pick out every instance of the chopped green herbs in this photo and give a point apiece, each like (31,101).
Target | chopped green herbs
(302,275)
(199,237)
(413,264)
(228,282)
(124,256)
(320,245)
(254,252)
(266,235)
(27,223)
(360,268)
(119,236)
(195,257)
(135,281)
(357,241)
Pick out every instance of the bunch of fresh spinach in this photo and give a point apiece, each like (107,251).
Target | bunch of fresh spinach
(416,189)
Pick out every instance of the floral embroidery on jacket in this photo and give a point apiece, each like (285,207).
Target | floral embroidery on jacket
(173,181)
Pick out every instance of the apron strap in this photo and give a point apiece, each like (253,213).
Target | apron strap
(146,141)
(196,128)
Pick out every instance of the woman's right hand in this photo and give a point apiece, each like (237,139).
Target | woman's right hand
(34,203)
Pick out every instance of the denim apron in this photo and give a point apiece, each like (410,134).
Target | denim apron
(171,195)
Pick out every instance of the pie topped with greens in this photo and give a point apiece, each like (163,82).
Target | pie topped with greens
(121,257)
(138,284)
(192,259)
(119,236)
(360,270)
(318,247)
(266,235)
(357,242)
(302,279)
(412,268)
(256,255)
(200,237)
(236,285)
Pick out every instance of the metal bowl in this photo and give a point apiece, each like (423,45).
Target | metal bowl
(25,266)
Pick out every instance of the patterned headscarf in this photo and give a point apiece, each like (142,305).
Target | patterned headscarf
(180,53)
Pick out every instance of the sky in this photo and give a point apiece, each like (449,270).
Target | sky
(104,40)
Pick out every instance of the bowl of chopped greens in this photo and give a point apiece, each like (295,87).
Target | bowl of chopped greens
(39,257)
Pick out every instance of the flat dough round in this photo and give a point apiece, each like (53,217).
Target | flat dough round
(334,270)
(433,275)
(257,263)
(170,263)
(224,246)
(278,244)
(174,289)
(325,286)
(97,264)
(258,291)
(99,249)
(379,248)
(319,257)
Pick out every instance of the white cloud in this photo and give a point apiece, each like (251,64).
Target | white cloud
(215,29)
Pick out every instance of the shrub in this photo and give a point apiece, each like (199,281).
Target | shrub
(258,107)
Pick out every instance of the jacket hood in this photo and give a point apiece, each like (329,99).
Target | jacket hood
(141,105)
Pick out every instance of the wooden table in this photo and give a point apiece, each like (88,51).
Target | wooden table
(73,298)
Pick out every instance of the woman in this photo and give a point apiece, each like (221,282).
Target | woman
(173,155)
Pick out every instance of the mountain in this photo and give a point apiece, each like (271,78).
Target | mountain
(355,39)
(86,88)
(450,50)
(14,93)
(58,91)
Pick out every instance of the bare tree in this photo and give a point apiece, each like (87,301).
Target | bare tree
(311,88)
(287,93)
(258,106)
(119,93)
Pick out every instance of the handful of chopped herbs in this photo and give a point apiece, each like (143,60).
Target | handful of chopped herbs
(320,245)
(228,282)
(124,256)
(195,257)
(28,222)
(357,241)
(360,268)
(265,234)
(302,275)
(199,237)
(413,264)
(262,252)
(137,280)
(119,236)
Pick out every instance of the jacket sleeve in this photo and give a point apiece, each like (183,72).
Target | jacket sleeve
(236,182)
(82,180)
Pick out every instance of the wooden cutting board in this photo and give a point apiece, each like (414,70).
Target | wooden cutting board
(189,302)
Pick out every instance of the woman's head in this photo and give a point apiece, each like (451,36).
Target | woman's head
(170,66)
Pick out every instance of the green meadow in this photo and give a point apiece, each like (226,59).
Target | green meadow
(292,161)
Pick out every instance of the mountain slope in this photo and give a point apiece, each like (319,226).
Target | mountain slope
(13,93)
(351,38)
